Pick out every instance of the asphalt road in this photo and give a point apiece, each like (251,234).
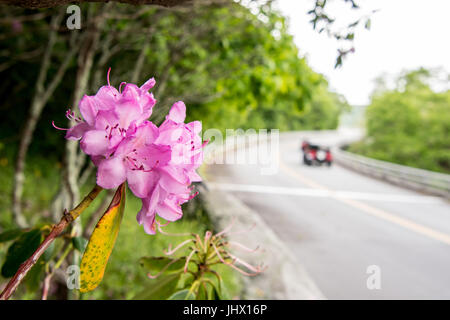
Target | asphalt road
(348,229)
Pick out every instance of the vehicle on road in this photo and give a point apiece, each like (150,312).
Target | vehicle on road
(315,155)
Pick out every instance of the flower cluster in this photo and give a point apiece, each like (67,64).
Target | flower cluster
(158,163)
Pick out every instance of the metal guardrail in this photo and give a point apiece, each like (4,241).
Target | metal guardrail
(417,179)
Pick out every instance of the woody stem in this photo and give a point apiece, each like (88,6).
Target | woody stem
(67,218)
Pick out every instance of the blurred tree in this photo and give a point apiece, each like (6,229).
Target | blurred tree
(233,66)
(409,124)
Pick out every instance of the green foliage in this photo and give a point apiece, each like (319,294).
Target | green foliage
(410,124)
(184,294)
(156,265)
(160,289)
(20,250)
(193,276)
(10,234)
(125,276)
(172,283)
(233,69)
(80,243)
(262,82)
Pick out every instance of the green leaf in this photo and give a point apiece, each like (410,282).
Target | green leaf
(182,295)
(12,234)
(202,293)
(101,243)
(186,279)
(160,288)
(48,253)
(80,243)
(155,265)
(21,250)
(215,293)
(350,36)
(338,61)
(220,292)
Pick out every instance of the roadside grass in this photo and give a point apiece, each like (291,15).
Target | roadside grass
(124,277)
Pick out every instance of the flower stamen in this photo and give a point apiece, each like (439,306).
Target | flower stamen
(170,251)
(54,126)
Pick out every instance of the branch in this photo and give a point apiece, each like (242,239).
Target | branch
(34,4)
(46,286)
(67,218)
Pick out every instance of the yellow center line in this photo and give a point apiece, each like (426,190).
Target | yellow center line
(379,213)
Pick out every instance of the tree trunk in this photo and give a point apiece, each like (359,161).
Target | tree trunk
(39,100)
(69,192)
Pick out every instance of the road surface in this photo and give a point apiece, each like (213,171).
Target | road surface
(358,237)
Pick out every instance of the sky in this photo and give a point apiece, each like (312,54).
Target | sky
(404,34)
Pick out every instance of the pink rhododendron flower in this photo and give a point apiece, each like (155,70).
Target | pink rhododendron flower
(110,116)
(159,164)
(169,183)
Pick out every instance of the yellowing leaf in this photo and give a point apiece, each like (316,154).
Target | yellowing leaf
(101,243)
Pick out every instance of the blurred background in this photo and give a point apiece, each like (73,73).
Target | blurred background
(362,81)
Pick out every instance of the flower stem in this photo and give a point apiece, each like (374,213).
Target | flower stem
(67,218)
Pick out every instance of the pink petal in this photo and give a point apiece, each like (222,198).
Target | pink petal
(195,126)
(148,220)
(147,102)
(77,131)
(97,159)
(169,132)
(106,98)
(105,120)
(150,83)
(141,182)
(154,155)
(88,109)
(129,111)
(148,131)
(154,199)
(111,173)
(131,92)
(177,173)
(149,225)
(178,112)
(95,143)
(169,210)
(171,185)
(194,176)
